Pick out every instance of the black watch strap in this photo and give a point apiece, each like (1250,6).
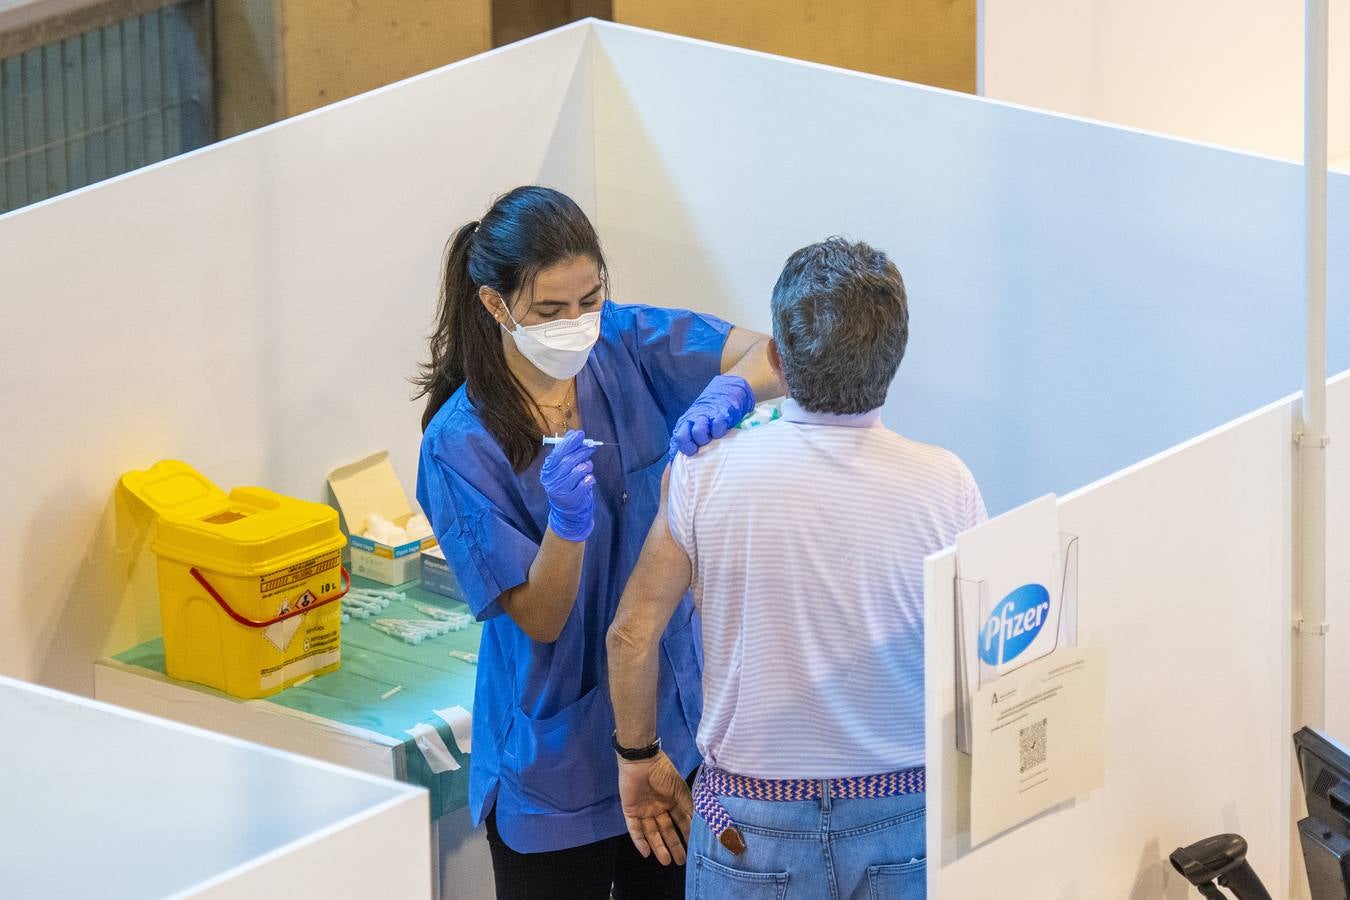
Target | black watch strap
(636,754)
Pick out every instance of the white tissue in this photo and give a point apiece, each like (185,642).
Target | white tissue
(418,527)
(378,528)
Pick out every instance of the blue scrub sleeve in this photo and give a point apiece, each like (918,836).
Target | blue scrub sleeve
(679,352)
(487,552)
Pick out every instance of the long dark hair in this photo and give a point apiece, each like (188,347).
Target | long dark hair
(527,230)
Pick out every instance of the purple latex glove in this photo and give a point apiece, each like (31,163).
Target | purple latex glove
(570,486)
(724,402)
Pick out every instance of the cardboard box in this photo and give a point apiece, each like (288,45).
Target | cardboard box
(437,576)
(372,486)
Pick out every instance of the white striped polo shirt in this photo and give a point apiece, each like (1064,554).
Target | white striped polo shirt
(807,538)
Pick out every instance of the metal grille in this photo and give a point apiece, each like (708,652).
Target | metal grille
(104,102)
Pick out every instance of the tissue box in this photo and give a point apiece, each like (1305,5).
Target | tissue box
(372,486)
(383,563)
(436,575)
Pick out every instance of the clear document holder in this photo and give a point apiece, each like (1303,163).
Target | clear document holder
(973,604)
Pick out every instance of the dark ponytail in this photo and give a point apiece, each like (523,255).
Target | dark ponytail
(527,230)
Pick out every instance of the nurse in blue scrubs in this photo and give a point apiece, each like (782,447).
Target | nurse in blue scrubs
(543,537)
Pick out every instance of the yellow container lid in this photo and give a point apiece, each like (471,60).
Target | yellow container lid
(249,531)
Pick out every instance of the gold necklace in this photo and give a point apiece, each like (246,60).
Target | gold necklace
(564,412)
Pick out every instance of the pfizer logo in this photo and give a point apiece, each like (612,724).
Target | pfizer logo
(1014,624)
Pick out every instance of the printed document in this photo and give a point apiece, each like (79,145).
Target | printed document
(1039,739)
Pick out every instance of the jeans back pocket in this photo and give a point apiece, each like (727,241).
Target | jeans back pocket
(902,881)
(716,882)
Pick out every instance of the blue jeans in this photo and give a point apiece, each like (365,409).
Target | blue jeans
(812,850)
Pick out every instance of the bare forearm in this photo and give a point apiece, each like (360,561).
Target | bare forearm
(747,355)
(633,671)
(653,592)
(542,604)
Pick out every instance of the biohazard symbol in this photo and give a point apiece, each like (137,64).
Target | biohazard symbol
(281,633)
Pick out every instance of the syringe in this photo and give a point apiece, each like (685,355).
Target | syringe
(550,440)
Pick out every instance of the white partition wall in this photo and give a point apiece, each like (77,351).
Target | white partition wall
(1338,559)
(255,308)
(103,802)
(1185,575)
(1210,70)
(1081,296)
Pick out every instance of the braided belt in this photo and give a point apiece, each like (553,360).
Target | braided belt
(713,783)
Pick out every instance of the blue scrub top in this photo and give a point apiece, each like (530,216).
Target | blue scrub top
(542,719)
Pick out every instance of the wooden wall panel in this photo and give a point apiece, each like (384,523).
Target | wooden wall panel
(928,41)
(248,65)
(278,58)
(333,51)
(514,20)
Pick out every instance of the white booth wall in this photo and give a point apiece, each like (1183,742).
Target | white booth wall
(1210,70)
(255,308)
(103,802)
(1185,578)
(1082,296)
(1338,563)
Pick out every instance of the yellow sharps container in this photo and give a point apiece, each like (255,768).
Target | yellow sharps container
(248,581)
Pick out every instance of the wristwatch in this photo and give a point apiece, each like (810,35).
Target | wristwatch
(640,753)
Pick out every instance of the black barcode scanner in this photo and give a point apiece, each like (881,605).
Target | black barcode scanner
(1222,858)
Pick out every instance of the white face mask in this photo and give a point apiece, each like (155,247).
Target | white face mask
(558,349)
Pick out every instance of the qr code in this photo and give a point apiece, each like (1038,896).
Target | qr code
(1032,746)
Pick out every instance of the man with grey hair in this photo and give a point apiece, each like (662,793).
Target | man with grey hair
(803,541)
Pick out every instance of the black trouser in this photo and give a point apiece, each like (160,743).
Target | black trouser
(588,872)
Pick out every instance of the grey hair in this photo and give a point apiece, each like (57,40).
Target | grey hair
(841,322)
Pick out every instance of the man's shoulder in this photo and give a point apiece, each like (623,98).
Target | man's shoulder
(935,468)
(732,453)
(737,444)
(922,453)
(709,457)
